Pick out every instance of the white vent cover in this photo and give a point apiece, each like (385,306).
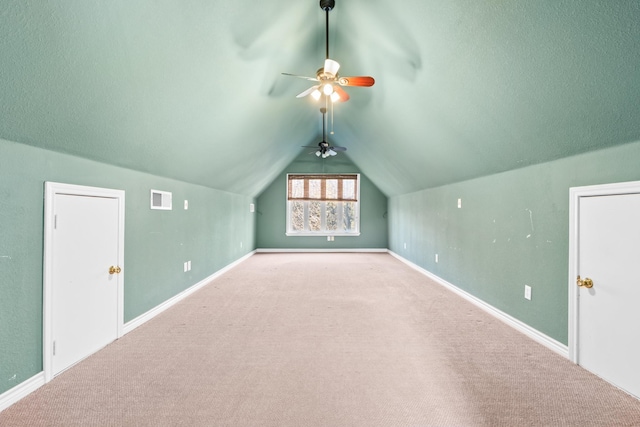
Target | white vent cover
(161,200)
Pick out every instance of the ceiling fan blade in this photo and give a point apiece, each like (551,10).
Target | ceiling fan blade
(307,92)
(356,81)
(312,79)
(339,148)
(331,67)
(344,96)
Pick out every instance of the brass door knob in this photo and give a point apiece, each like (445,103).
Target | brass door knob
(114,270)
(584,283)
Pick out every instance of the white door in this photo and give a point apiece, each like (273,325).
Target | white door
(85,277)
(608,314)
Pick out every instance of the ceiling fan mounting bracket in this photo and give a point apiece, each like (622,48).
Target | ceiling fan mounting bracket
(324,77)
(327,5)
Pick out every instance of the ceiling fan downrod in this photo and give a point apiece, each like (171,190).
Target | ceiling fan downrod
(327,5)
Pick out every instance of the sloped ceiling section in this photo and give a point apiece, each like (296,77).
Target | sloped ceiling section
(193,91)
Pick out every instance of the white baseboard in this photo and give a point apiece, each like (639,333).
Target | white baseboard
(143,318)
(291,250)
(532,333)
(16,393)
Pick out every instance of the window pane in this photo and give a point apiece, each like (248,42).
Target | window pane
(349,189)
(332,188)
(349,216)
(297,188)
(314,189)
(315,221)
(332,216)
(297,216)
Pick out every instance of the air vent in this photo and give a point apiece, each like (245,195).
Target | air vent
(161,200)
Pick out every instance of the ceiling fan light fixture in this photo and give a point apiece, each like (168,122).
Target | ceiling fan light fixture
(335,97)
(318,153)
(316,94)
(332,153)
(327,89)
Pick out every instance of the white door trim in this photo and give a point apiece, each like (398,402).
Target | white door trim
(51,190)
(575,193)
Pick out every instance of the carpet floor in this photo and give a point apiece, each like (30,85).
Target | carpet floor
(324,340)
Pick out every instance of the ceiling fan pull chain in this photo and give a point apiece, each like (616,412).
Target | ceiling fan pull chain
(331,133)
(323,111)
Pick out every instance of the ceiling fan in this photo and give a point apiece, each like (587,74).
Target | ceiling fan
(329,82)
(324,148)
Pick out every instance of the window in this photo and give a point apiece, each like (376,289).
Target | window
(325,205)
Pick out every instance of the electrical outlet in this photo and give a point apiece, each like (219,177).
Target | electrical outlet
(186,205)
(405,245)
(186,266)
(189,265)
(436,257)
(527,292)
(459,203)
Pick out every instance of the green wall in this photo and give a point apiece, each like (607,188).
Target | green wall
(512,231)
(216,230)
(271,208)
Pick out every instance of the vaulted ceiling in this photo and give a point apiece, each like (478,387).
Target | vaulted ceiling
(192,90)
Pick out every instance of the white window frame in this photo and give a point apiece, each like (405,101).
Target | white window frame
(323,232)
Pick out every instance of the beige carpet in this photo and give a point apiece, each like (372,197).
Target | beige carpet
(324,340)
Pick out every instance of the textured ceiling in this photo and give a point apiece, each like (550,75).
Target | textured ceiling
(192,90)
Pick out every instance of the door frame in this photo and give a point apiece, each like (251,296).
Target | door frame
(575,193)
(51,190)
